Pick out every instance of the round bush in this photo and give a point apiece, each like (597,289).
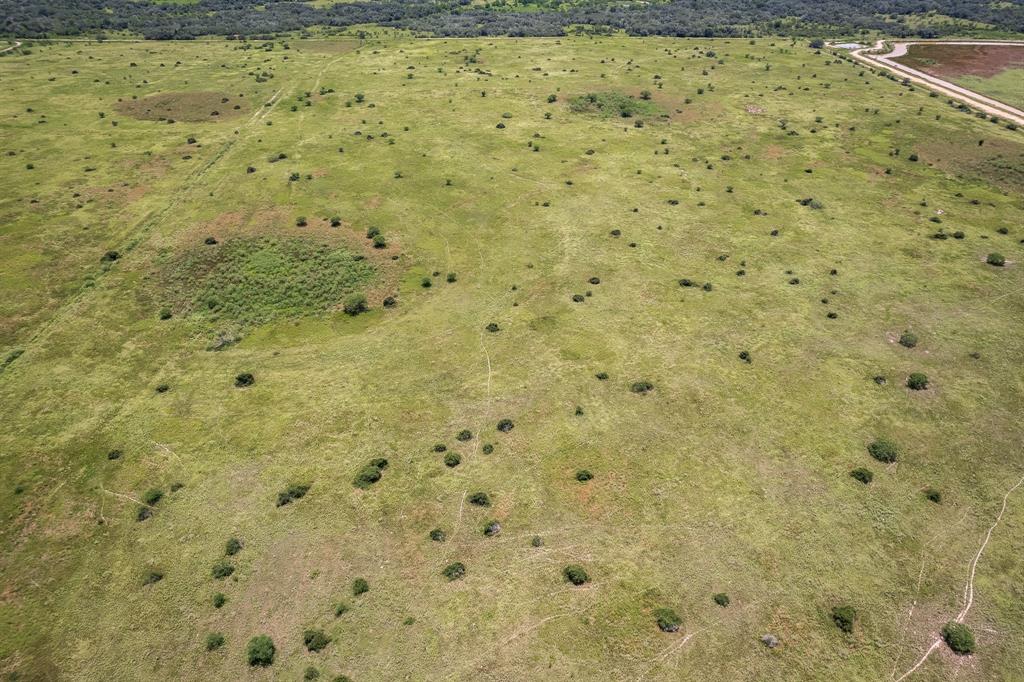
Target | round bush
(933,495)
(454,571)
(315,640)
(959,638)
(214,641)
(996,259)
(487,448)
(244,379)
(917,381)
(340,609)
(642,386)
(908,339)
(668,620)
(883,450)
(260,651)
(219,600)
(464,435)
(583,475)
(843,617)
(602,376)
(575,574)
(863,475)
(480,499)
(451,277)
(152,577)
(115,454)
(354,304)
(492,327)
(232,547)
(505,425)
(222,569)
(438,535)
(492,528)
(745,356)
(165,314)
(360,586)
(722,599)
(440,447)
(452,459)
(152,496)
(536,541)
(379,242)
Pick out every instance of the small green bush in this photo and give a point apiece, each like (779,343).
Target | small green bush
(152,496)
(464,435)
(933,495)
(244,379)
(340,609)
(667,619)
(214,641)
(379,242)
(575,574)
(601,376)
(908,339)
(480,499)
(642,386)
(438,535)
(452,459)
(536,541)
(583,475)
(232,547)
(996,259)
(722,599)
(219,600)
(152,577)
(505,425)
(917,381)
(296,491)
(143,513)
(354,304)
(360,586)
(451,277)
(863,475)
(492,327)
(487,448)
(260,651)
(310,673)
(492,528)
(371,473)
(883,450)
(454,571)
(222,569)
(315,640)
(959,638)
(843,617)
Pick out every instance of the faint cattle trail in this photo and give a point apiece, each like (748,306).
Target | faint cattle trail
(969,586)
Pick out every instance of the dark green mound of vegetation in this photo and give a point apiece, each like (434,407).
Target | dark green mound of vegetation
(613,104)
(254,280)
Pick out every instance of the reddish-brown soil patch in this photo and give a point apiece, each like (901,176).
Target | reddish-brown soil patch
(183,106)
(950,61)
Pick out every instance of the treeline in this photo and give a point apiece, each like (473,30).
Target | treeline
(249,18)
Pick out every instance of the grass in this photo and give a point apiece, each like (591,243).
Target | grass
(727,476)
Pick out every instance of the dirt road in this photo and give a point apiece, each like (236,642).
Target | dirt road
(973,99)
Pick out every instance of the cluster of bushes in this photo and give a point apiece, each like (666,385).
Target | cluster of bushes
(295,491)
(371,473)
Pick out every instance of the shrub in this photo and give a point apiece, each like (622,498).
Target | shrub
(233,547)
(214,641)
(583,475)
(883,450)
(380,242)
(219,600)
(464,435)
(487,448)
(296,491)
(440,447)
(492,528)
(642,386)
(917,381)
(360,586)
(492,327)
(575,574)
(315,640)
(452,459)
(668,620)
(908,339)
(165,313)
(143,513)
(745,356)
(152,577)
(863,475)
(505,425)
(152,496)
(995,259)
(310,673)
(367,476)
(163,388)
(115,454)
(959,638)
(933,495)
(222,569)
(578,298)
(340,609)
(260,651)
(335,221)
(438,535)
(110,257)
(843,617)
(380,462)
(354,304)
(426,283)
(451,277)
(480,499)
(244,379)
(536,541)
(722,599)
(602,376)
(301,221)
(454,571)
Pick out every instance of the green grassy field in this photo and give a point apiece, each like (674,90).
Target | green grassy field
(132,259)
(1006,86)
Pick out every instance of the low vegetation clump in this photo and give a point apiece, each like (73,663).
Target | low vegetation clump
(222,569)
(995,259)
(454,571)
(252,280)
(883,450)
(452,459)
(642,386)
(668,620)
(575,574)
(438,535)
(315,640)
(232,547)
(260,651)
(214,641)
(933,495)
(354,304)
(917,381)
(908,339)
(152,577)
(959,638)
(219,600)
(244,380)
(584,475)
(360,586)
(464,435)
(480,499)
(863,475)
(370,473)
(505,425)
(721,598)
(843,617)
(492,528)
(295,491)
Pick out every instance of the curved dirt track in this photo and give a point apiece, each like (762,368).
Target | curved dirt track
(969,97)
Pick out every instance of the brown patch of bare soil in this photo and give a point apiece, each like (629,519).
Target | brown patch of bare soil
(183,106)
(950,61)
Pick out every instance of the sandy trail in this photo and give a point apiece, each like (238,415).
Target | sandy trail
(973,99)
